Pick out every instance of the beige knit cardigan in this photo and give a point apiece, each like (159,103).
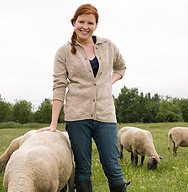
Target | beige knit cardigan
(86,96)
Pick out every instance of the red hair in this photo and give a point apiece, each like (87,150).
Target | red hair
(83,9)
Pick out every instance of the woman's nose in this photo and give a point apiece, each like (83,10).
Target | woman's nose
(85,26)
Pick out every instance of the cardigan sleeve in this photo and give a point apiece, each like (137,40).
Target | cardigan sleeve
(119,65)
(60,75)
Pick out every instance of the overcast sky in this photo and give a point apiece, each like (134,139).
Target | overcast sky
(152,35)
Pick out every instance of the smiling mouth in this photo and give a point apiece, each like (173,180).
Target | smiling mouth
(84,32)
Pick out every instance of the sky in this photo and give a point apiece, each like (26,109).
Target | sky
(152,36)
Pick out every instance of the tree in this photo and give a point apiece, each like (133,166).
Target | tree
(22,111)
(169,111)
(5,111)
(134,107)
(183,103)
(151,106)
(127,105)
(43,114)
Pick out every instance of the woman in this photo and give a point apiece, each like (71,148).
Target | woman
(88,66)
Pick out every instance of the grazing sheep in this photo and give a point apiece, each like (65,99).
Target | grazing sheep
(38,161)
(179,137)
(138,142)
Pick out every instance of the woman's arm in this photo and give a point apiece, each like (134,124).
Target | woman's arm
(115,77)
(56,109)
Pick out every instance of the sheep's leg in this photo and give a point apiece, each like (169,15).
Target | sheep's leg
(175,147)
(136,159)
(71,183)
(64,189)
(132,157)
(142,160)
(14,145)
(121,151)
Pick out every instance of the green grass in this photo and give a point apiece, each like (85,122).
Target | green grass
(171,176)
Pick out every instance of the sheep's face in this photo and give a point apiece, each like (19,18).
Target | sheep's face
(152,163)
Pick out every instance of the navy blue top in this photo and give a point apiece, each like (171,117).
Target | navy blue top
(94,62)
(95,65)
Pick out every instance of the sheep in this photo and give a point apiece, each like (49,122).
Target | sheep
(138,141)
(38,161)
(179,137)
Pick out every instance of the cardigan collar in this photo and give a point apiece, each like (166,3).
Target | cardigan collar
(99,40)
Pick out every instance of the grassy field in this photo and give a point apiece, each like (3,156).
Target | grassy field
(171,176)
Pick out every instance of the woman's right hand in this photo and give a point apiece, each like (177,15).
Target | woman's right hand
(51,128)
(56,108)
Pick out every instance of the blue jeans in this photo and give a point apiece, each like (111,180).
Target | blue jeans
(105,136)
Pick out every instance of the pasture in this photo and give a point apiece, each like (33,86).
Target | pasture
(171,176)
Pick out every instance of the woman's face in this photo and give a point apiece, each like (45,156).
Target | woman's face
(84,26)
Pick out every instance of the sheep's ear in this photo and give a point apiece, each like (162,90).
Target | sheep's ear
(153,157)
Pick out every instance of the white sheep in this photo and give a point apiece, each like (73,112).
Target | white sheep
(179,137)
(38,161)
(138,142)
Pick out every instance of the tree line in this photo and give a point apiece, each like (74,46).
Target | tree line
(131,106)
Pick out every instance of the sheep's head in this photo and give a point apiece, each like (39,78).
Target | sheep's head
(153,162)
